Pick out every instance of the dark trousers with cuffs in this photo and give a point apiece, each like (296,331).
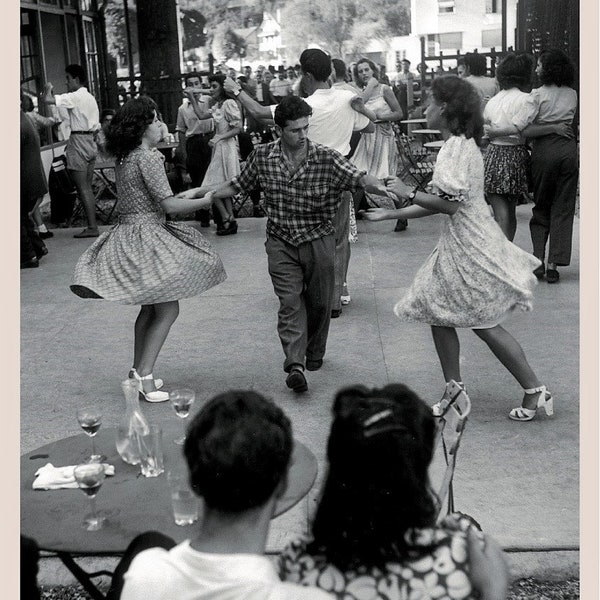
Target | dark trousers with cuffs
(554,173)
(303,280)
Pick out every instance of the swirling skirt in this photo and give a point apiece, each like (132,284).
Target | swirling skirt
(507,170)
(145,260)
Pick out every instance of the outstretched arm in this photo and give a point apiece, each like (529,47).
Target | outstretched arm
(489,573)
(258,111)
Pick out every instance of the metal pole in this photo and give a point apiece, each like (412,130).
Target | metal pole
(504,11)
(129,50)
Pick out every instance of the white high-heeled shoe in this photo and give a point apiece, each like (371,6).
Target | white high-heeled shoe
(439,408)
(158,383)
(545,401)
(155,395)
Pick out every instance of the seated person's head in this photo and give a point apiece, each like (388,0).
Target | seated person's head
(316,63)
(475,63)
(339,67)
(238,450)
(377,487)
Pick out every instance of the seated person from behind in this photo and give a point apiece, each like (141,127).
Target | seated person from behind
(375,528)
(238,450)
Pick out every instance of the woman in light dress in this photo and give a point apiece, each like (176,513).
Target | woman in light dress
(475,277)
(225,159)
(145,259)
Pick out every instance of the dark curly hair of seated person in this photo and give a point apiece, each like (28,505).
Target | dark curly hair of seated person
(238,449)
(377,486)
(128,126)
(462,111)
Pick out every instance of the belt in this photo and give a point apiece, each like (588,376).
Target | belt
(82,132)
(200,134)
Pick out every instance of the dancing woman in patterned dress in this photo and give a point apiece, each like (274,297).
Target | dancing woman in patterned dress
(145,259)
(475,277)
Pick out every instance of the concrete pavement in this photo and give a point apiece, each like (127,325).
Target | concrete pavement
(519,480)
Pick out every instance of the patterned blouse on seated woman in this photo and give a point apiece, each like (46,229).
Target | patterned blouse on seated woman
(375,533)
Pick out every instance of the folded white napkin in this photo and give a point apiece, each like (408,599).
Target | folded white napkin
(50,477)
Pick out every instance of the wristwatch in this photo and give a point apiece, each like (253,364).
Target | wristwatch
(412,195)
(236,92)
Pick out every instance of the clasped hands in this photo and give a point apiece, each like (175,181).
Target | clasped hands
(393,185)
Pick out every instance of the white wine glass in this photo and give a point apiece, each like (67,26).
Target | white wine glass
(89,477)
(182,400)
(90,419)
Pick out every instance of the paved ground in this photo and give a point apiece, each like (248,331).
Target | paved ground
(519,480)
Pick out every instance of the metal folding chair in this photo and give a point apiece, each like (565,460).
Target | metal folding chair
(454,412)
(415,161)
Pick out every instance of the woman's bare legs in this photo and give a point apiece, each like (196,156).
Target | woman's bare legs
(153,331)
(218,202)
(509,352)
(504,213)
(447,347)
(144,318)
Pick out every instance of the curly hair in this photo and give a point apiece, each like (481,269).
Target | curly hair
(462,113)
(291,108)
(557,68)
(128,126)
(476,63)
(377,486)
(370,63)
(238,448)
(515,71)
(220,79)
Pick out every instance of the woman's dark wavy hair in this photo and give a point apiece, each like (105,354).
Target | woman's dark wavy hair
(377,487)
(557,68)
(370,63)
(128,126)
(220,79)
(463,106)
(515,71)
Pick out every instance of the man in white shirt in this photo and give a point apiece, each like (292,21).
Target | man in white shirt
(336,114)
(81,149)
(238,451)
(196,127)
(472,68)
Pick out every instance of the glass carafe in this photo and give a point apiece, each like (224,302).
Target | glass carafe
(132,424)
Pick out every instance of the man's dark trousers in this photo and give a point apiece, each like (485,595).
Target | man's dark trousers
(303,280)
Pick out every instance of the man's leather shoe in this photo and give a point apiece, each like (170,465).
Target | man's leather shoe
(336,312)
(296,381)
(314,365)
(32,263)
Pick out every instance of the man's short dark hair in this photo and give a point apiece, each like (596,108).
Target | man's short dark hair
(316,62)
(405,60)
(77,71)
(238,449)
(476,64)
(339,66)
(189,76)
(291,108)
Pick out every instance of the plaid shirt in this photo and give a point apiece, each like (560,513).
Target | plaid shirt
(300,207)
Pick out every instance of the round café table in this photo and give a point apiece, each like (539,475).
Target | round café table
(132,503)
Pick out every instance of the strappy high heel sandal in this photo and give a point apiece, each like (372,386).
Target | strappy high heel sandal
(158,383)
(439,408)
(155,395)
(545,401)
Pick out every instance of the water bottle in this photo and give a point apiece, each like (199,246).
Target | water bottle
(132,424)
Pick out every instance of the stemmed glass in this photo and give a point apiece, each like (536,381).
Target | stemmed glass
(182,401)
(90,419)
(89,478)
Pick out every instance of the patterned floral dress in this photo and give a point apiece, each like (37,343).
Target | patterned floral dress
(225,158)
(474,277)
(145,259)
(441,573)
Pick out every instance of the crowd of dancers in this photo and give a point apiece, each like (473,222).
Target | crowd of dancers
(333,153)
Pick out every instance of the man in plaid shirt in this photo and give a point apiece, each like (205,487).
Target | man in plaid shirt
(303,184)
